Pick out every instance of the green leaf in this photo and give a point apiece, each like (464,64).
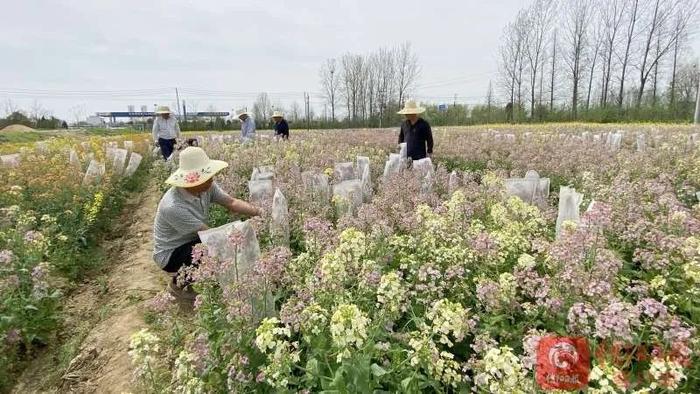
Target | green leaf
(31,307)
(377,370)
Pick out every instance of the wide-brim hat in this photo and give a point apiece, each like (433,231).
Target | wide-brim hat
(195,168)
(163,110)
(241,113)
(277,114)
(411,108)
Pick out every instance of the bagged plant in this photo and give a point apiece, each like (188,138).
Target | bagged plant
(11,160)
(393,165)
(344,172)
(134,162)
(362,163)
(129,145)
(316,185)
(641,143)
(453,182)
(242,254)
(94,172)
(569,203)
(260,191)
(119,161)
(347,197)
(423,166)
(73,159)
(366,185)
(263,173)
(279,223)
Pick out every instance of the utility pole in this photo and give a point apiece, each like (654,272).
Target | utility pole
(184,110)
(177,99)
(306,108)
(454,103)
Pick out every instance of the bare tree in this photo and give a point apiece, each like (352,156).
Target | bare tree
(539,18)
(78,113)
(351,74)
(489,102)
(407,70)
(682,37)
(10,107)
(330,81)
(660,33)
(512,59)
(597,44)
(577,19)
(612,16)
(294,111)
(632,19)
(386,79)
(262,108)
(554,68)
(37,111)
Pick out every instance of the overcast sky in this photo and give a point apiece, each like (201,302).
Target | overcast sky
(144,49)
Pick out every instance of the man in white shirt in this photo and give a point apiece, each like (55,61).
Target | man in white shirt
(247,126)
(165,131)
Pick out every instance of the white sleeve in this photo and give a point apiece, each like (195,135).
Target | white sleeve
(155,129)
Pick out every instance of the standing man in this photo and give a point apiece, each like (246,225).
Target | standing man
(415,132)
(247,126)
(281,126)
(184,211)
(165,131)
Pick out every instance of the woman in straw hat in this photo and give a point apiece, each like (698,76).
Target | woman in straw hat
(165,131)
(247,126)
(415,132)
(183,211)
(281,126)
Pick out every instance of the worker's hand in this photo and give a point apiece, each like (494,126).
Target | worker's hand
(155,143)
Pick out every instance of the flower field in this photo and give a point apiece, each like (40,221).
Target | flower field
(448,282)
(52,217)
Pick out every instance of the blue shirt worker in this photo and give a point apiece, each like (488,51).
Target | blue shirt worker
(247,126)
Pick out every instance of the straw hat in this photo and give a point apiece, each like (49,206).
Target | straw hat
(195,168)
(241,112)
(277,114)
(411,107)
(163,110)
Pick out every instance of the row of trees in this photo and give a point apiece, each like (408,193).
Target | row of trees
(613,57)
(36,116)
(368,88)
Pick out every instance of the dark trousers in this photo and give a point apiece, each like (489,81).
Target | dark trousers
(181,257)
(166,147)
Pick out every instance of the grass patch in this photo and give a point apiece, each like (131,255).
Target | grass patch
(19,137)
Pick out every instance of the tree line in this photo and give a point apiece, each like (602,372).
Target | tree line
(603,60)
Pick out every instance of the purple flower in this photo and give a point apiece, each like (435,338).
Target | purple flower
(161,302)
(32,236)
(580,318)
(6,256)
(12,336)
(617,321)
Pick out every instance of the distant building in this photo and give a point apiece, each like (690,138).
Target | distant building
(95,121)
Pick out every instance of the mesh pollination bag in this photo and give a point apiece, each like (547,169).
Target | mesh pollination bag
(316,185)
(366,180)
(129,145)
(344,172)
(11,160)
(393,164)
(134,162)
(260,191)
(532,189)
(453,182)
(94,172)
(262,173)
(569,203)
(641,143)
(361,162)
(119,161)
(73,159)
(347,196)
(242,257)
(279,223)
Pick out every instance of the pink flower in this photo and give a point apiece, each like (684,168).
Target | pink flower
(192,177)
(6,256)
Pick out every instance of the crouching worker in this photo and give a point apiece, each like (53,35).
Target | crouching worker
(184,210)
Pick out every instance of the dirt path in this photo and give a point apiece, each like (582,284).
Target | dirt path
(105,312)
